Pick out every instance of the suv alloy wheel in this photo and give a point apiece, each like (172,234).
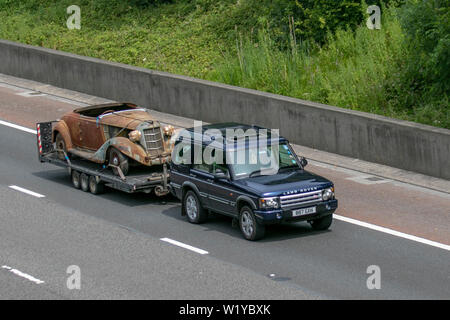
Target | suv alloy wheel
(193,208)
(251,229)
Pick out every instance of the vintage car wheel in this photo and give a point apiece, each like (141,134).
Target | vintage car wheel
(251,229)
(116,158)
(60,145)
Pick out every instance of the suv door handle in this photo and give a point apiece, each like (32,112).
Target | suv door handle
(210,180)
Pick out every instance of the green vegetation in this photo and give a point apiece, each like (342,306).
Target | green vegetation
(317,50)
(167,37)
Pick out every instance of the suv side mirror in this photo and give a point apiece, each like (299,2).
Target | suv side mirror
(303,161)
(219,174)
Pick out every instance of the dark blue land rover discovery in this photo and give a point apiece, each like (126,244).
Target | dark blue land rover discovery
(250,174)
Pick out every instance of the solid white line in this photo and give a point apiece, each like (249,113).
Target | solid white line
(15,126)
(34,194)
(23,275)
(393,232)
(183,245)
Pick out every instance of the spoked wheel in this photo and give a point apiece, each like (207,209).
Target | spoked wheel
(193,209)
(60,147)
(251,229)
(117,159)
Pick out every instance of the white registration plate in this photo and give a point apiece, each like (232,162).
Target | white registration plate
(303,211)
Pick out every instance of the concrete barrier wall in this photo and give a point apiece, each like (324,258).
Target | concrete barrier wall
(396,143)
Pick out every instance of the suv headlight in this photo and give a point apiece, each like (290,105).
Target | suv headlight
(328,194)
(269,203)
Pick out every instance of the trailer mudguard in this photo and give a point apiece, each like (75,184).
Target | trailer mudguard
(62,128)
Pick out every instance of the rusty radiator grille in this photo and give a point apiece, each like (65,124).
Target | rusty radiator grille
(153,140)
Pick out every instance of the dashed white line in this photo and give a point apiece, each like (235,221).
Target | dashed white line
(393,232)
(183,245)
(23,275)
(31,193)
(15,126)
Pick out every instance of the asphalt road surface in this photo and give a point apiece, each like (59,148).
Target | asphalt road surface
(115,240)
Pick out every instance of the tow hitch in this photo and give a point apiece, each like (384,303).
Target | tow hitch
(162,190)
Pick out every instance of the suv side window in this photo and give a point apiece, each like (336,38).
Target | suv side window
(211,168)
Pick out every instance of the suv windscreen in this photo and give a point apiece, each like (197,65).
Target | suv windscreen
(254,161)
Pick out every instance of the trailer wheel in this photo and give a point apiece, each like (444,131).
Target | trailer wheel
(94,186)
(118,159)
(76,179)
(84,182)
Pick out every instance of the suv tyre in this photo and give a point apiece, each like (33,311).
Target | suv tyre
(193,209)
(323,223)
(250,227)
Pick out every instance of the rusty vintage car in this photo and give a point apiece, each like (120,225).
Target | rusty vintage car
(119,135)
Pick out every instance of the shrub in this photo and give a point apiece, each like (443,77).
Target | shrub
(427,26)
(312,19)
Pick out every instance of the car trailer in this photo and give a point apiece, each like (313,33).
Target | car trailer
(90,176)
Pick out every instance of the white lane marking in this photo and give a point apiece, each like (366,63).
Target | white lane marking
(183,245)
(23,275)
(30,94)
(15,126)
(34,194)
(393,232)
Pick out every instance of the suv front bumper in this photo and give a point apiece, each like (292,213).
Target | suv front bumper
(285,215)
